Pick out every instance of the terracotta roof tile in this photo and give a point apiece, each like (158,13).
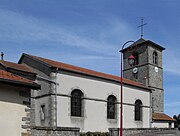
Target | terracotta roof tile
(72,68)
(20,67)
(161,117)
(9,76)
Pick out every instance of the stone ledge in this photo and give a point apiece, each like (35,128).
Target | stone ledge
(142,129)
(133,131)
(55,128)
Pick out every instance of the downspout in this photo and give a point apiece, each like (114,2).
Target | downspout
(150,109)
(56,89)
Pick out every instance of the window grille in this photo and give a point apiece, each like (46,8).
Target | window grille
(111,107)
(76,103)
(138,110)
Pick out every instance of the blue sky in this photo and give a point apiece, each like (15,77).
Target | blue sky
(89,33)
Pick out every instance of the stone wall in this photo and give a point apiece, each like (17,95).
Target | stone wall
(133,131)
(59,131)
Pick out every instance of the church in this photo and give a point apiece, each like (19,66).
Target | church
(71,96)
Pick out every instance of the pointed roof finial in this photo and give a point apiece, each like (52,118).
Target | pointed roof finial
(141,26)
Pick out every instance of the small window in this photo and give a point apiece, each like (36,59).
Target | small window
(111,107)
(76,103)
(138,110)
(155,58)
(136,56)
(42,112)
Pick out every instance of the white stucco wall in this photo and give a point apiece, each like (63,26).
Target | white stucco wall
(162,125)
(11,111)
(95,112)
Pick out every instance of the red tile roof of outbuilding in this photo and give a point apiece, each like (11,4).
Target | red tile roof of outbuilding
(20,67)
(161,117)
(12,78)
(7,75)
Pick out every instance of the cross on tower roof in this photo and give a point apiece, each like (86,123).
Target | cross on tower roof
(142,25)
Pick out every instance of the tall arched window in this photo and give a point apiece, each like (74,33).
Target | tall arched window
(111,107)
(155,58)
(76,103)
(138,110)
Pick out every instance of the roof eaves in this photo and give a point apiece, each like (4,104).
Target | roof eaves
(146,41)
(117,81)
(30,85)
(164,120)
(159,46)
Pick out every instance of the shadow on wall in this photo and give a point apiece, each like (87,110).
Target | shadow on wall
(14,94)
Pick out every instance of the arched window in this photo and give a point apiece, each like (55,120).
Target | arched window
(155,58)
(111,107)
(76,103)
(138,110)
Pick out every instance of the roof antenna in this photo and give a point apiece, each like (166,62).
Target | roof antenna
(2,55)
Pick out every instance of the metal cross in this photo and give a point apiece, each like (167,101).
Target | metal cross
(142,24)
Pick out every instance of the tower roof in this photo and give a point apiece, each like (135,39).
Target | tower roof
(142,41)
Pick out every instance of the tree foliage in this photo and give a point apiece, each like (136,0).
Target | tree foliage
(177,123)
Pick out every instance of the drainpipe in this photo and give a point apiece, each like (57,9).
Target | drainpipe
(150,109)
(56,89)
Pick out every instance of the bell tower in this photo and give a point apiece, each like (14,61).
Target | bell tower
(147,69)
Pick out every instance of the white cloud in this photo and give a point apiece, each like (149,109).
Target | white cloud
(20,28)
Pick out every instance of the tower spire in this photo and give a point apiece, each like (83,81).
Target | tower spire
(141,26)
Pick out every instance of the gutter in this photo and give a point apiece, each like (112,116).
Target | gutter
(56,89)
(30,85)
(104,78)
(150,121)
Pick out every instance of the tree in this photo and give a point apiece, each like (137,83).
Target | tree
(177,123)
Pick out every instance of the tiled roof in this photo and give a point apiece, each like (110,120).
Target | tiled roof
(12,78)
(9,76)
(161,117)
(80,70)
(20,67)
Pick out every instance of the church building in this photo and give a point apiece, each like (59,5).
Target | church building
(72,96)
